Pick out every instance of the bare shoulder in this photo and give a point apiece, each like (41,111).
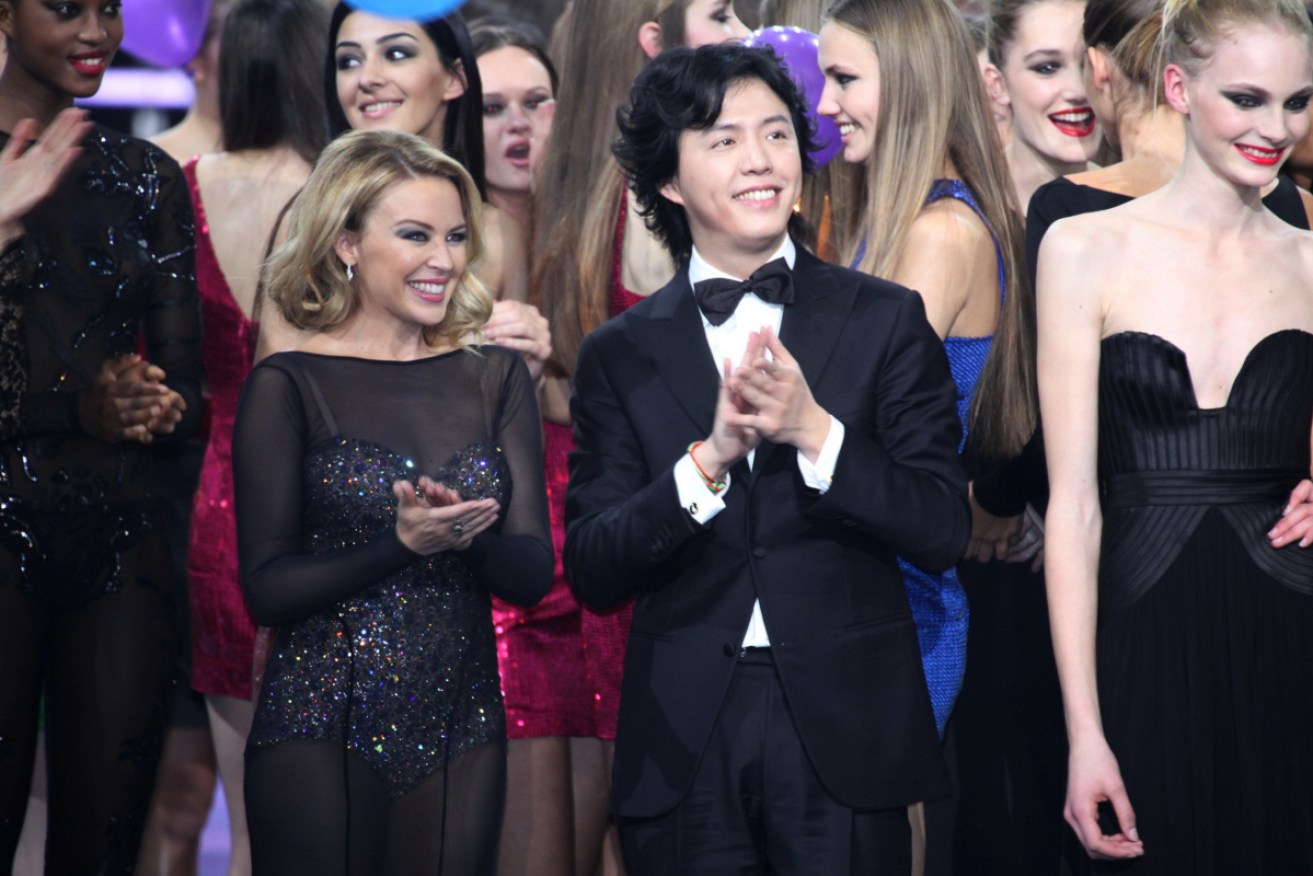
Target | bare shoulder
(1078,261)
(1299,243)
(947,239)
(1088,234)
(949,222)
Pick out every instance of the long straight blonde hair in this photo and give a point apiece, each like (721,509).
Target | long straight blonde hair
(932,112)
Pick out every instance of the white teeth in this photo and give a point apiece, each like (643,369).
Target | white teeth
(846,128)
(427,288)
(1072,117)
(756,195)
(1259,153)
(381,106)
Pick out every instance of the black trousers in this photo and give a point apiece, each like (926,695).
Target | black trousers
(756,805)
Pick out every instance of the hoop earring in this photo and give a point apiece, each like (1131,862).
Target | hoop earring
(350,273)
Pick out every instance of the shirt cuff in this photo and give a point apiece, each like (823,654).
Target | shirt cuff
(694,494)
(820,474)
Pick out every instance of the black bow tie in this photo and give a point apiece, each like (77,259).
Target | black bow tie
(718,298)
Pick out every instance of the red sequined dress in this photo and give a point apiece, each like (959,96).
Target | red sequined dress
(223,635)
(561,663)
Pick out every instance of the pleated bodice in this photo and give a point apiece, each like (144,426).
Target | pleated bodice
(1164,461)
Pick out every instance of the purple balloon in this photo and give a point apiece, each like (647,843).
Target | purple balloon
(411,10)
(797,48)
(166,33)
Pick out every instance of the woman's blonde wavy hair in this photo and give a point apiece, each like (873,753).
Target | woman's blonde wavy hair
(307,281)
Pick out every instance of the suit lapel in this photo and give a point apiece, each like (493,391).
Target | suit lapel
(670,332)
(812,324)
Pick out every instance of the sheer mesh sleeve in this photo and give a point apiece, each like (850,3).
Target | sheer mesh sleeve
(13,365)
(515,562)
(172,321)
(282,582)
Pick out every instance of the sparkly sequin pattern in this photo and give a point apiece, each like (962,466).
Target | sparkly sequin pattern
(405,672)
(104,269)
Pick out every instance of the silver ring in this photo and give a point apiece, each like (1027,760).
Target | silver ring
(458,527)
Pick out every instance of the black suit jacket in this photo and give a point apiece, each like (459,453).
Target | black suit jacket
(823,566)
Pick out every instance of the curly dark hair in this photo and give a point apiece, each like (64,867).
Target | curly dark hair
(684,89)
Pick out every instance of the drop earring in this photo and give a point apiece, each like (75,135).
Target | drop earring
(350,273)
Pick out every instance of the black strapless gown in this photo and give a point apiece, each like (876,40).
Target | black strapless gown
(1205,642)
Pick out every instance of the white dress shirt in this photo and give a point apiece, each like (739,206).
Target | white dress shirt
(729,340)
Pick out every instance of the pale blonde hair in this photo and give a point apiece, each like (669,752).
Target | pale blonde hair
(1191,28)
(307,281)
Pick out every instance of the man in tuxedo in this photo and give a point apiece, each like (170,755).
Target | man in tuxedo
(752,456)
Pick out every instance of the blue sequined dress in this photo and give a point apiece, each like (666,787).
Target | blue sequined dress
(938,602)
(387,654)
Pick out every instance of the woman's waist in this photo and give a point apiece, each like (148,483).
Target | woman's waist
(1135,489)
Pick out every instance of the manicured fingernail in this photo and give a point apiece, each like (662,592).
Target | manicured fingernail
(1135,834)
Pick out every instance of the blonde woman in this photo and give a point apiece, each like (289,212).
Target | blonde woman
(388,479)
(1173,371)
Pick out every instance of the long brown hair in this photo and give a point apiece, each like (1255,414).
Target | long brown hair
(577,203)
(933,112)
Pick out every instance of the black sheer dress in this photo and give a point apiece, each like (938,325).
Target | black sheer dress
(379,739)
(104,268)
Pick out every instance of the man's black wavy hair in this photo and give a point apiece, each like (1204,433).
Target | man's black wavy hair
(684,89)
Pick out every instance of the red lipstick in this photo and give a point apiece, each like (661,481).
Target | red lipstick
(90,63)
(1074,122)
(1260,155)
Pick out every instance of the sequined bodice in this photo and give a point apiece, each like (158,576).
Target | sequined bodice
(348,491)
(1164,461)
(405,671)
